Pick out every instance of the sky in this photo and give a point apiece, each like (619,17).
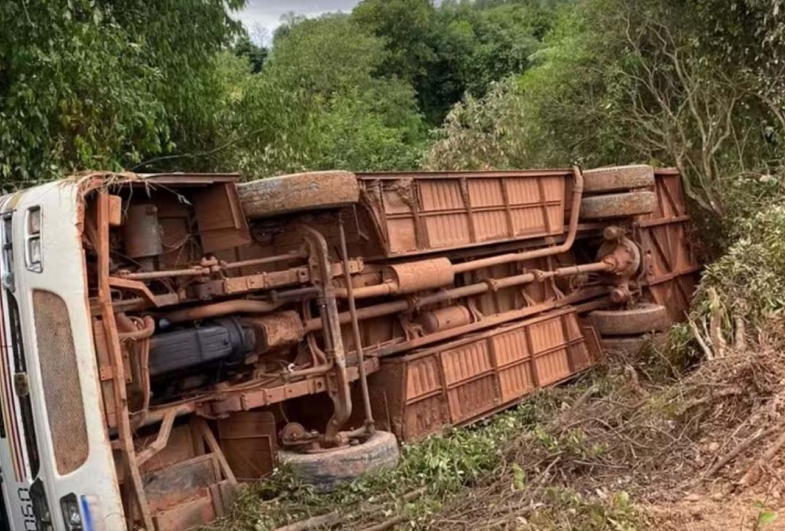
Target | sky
(261,17)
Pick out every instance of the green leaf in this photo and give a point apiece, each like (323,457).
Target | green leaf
(766,517)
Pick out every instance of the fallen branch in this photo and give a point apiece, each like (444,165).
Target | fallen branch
(583,398)
(313,522)
(740,341)
(717,339)
(704,347)
(568,414)
(335,517)
(753,474)
(387,524)
(730,456)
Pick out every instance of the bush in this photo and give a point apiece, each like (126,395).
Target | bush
(749,278)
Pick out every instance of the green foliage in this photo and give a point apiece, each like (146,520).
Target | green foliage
(378,129)
(749,277)
(689,85)
(261,129)
(447,466)
(178,84)
(504,38)
(101,84)
(456,48)
(255,54)
(356,120)
(765,516)
(443,464)
(406,27)
(483,133)
(568,510)
(556,113)
(323,56)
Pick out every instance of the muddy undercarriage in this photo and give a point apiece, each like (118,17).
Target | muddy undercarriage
(297,317)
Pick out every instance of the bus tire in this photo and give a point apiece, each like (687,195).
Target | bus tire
(629,346)
(618,178)
(328,469)
(642,319)
(618,205)
(299,191)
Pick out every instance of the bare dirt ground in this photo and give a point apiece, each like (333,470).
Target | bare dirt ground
(702,514)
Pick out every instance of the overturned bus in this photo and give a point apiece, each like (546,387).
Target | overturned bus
(167,337)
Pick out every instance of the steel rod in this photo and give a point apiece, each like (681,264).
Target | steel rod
(388,308)
(358,345)
(218,309)
(493,321)
(124,431)
(198,271)
(267,260)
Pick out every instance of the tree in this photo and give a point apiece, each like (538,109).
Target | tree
(483,133)
(325,55)
(352,117)
(454,48)
(691,84)
(406,27)
(255,54)
(104,84)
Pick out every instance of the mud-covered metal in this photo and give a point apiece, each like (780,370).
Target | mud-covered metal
(302,191)
(429,211)
(670,261)
(618,178)
(276,330)
(467,379)
(453,294)
(642,319)
(411,277)
(445,318)
(622,205)
(142,231)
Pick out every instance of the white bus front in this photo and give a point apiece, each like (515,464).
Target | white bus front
(56,466)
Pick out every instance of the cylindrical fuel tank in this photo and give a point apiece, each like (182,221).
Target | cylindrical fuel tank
(141,231)
(445,318)
(418,276)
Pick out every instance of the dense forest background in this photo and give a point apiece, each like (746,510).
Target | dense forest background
(398,84)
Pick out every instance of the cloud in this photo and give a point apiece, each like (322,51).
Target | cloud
(265,15)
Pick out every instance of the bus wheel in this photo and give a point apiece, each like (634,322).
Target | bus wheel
(629,346)
(328,469)
(618,205)
(618,178)
(273,196)
(641,319)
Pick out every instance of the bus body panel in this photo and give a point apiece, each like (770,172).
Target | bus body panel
(95,482)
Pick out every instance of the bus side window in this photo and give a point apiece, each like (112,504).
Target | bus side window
(7,252)
(7,258)
(17,344)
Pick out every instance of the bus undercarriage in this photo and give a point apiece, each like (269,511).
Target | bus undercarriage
(317,318)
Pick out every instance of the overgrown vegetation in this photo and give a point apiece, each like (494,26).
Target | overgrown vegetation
(686,84)
(594,456)
(178,85)
(435,473)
